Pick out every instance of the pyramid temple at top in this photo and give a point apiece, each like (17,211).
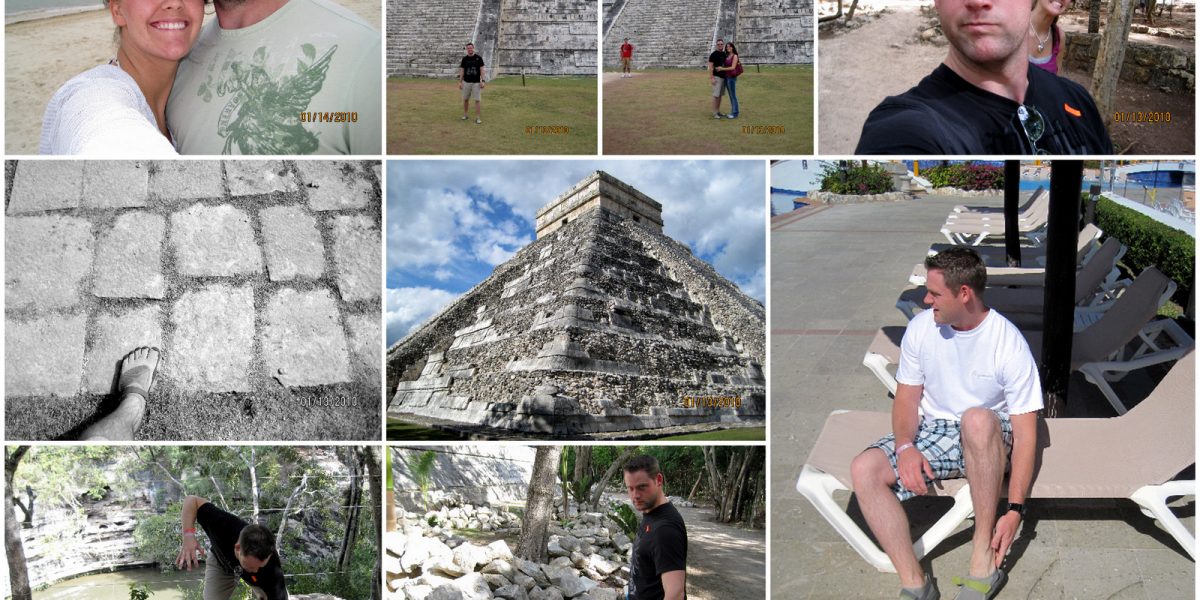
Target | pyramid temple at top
(602,324)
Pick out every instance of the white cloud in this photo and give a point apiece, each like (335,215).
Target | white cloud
(406,308)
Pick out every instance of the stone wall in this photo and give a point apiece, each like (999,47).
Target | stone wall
(462,475)
(428,38)
(664,33)
(775,31)
(547,37)
(1164,67)
(831,198)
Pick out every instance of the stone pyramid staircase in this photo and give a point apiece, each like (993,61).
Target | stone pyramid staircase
(775,31)
(664,33)
(426,39)
(547,37)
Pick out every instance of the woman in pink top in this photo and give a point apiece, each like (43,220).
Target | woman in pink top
(1045,38)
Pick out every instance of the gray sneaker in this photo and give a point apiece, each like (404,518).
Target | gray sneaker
(464,117)
(984,588)
(718,115)
(479,121)
(928,591)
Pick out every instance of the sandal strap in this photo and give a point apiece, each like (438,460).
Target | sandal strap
(126,385)
(983,587)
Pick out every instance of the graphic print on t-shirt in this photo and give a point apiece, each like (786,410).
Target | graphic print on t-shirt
(262,112)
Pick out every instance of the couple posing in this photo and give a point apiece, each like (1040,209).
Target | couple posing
(282,77)
(724,66)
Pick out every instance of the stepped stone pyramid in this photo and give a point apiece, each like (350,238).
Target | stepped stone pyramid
(426,38)
(681,33)
(602,324)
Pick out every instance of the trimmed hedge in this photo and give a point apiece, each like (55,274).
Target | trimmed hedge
(1150,243)
(966,176)
(856,179)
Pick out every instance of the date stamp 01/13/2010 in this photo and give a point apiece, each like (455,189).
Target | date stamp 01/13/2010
(1141,116)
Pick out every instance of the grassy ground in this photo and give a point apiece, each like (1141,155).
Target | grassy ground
(549,115)
(670,112)
(400,430)
(737,434)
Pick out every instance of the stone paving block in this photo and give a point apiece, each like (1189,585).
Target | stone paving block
(45,260)
(129,258)
(215,241)
(365,342)
(292,243)
(302,341)
(114,336)
(46,185)
(187,180)
(334,185)
(249,177)
(44,355)
(356,253)
(213,342)
(115,184)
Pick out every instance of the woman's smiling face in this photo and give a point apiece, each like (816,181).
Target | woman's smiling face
(164,29)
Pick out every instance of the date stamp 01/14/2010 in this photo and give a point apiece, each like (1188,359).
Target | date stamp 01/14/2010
(328,117)
(712,402)
(547,130)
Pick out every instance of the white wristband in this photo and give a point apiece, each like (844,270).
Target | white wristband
(902,448)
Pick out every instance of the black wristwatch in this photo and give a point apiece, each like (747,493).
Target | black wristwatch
(1020,508)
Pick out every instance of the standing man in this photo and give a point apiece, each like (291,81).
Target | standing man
(470,81)
(626,58)
(279,77)
(238,551)
(716,78)
(986,98)
(966,405)
(658,563)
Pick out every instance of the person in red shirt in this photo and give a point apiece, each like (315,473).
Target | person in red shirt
(626,58)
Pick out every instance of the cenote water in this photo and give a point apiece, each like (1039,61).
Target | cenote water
(115,585)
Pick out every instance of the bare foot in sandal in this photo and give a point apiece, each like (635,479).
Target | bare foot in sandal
(137,375)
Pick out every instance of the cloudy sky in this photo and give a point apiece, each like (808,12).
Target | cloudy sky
(449,223)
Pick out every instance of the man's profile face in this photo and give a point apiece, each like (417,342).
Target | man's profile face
(985,31)
(644,490)
(250,564)
(948,305)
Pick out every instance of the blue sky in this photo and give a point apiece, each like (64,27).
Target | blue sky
(449,223)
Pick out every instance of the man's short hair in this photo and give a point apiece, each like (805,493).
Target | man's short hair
(959,266)
(720,40)
(469,44)
(257,541)
(643,462)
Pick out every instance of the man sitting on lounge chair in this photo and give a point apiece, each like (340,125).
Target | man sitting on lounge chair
(966,402)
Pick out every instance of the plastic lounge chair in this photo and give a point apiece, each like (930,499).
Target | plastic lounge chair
(1135,456)
(1099,351)
(973,232)
(1038,202)
(996,256)
(1095,282)
(993,210)
(1000,274)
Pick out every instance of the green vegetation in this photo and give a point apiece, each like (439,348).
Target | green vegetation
(625,517)
(736,434)
(138,591)
(420,469)
(966,176)
(1150,243)
(669,111)
(852,178)
(546,115)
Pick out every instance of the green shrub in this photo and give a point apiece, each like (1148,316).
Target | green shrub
(157,539)
(625,517)
(1150,243)
(965,176)
(855,179)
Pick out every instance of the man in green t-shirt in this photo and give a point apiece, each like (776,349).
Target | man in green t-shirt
(279,77)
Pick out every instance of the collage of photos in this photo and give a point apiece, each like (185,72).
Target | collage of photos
(599,300)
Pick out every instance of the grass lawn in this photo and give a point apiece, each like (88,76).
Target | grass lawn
(737,434)
(670,112)
(549,115)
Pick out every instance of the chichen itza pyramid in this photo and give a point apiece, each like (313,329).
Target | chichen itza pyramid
(602,324)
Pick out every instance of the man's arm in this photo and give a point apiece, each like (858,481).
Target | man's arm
(482,75)
(911,464)
(191,552)
(1020,478)
(460,76)
(674,584)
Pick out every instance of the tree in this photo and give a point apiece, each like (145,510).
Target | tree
(353,504)
(420,469)
(617,463)
(539,505)
(373,482)
(1094,17)
(18,575)
(1111,56)
(733,489)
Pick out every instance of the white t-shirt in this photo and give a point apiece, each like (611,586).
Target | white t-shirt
(101,112)
(989,366)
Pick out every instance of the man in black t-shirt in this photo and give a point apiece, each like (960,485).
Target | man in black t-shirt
(717,78)
(238,551)
(986,98)
(470,81)
(658,563)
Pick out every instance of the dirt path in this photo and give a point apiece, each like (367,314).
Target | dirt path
(860,68)
(723,561)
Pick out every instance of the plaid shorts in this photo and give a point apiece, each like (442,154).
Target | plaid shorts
(940,440)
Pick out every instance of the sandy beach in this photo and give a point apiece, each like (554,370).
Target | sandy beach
(43,54)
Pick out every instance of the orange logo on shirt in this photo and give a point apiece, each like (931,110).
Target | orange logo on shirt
(647,529)
(254,579)
(1072,110)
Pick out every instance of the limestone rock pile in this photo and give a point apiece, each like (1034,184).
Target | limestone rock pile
(467,516)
